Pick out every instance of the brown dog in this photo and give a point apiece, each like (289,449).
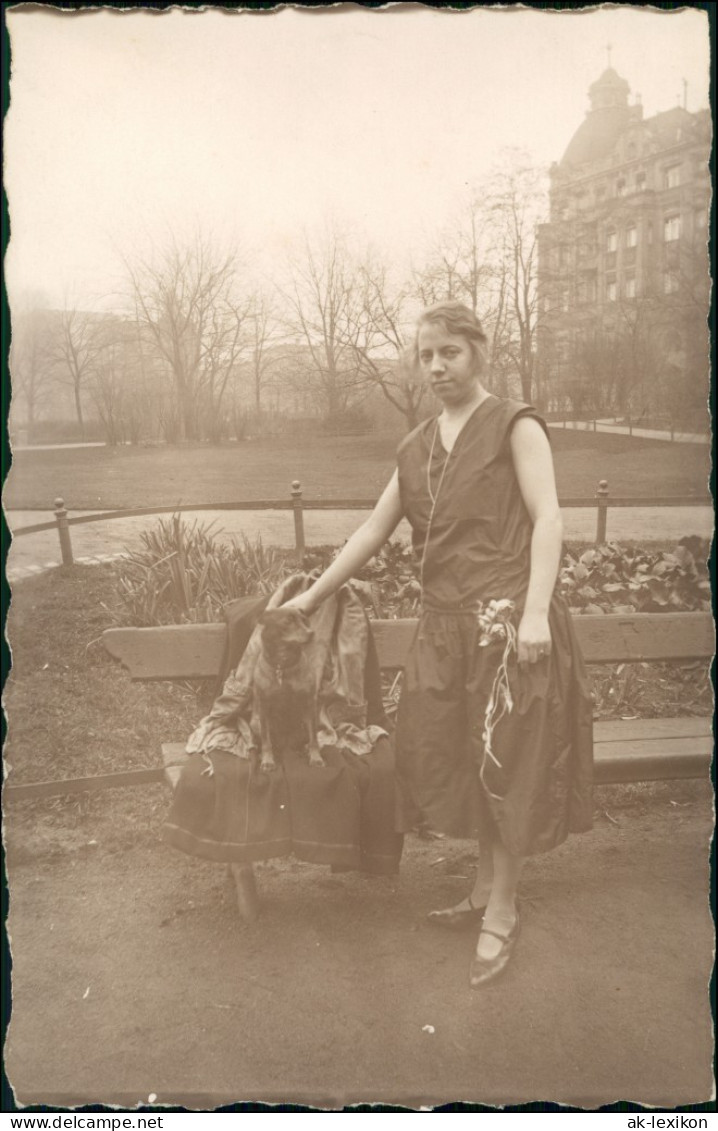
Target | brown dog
(283,685)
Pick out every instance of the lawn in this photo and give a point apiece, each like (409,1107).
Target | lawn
(328,467)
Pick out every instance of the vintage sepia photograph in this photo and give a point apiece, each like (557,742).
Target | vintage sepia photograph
(359,715)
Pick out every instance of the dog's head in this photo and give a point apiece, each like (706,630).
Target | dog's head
(285,627)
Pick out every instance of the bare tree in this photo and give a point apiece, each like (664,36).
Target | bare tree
(116,388)
(488,259)
(324,296)
(262,334)
(438,279)
(29,360)
(72,350)
(187,305)
(384,357)
(516,199)
(459,265)
(597,380)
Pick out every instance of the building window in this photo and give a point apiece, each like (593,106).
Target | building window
(671,228)
(640,182)
(586,290)
(611,241)
(630,287)
(631,235)
(673,176)
(564,301)
(670,283)
(611,291)
(621,188)
(586,251)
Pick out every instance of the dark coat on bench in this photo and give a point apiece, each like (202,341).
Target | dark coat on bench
(343,815)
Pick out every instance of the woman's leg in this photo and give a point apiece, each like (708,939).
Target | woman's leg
(484,874)
(501,907)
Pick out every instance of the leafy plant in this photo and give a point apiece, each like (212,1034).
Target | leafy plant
(182,574)
(603,579)
(610,579)
(389,582)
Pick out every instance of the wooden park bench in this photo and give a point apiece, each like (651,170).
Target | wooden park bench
(626,750)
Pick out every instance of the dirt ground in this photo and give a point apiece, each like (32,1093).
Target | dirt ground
(132,977)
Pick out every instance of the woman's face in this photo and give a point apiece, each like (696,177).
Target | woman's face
(448,363)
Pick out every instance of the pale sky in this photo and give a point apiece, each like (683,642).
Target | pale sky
(125,124)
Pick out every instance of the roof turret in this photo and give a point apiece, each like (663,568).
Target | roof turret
(597,135)
(608,91)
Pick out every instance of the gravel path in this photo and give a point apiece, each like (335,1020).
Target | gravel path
(624,430)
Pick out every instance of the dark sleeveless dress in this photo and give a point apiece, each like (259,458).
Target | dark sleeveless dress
(537,787)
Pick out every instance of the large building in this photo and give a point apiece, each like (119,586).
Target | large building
(623,280)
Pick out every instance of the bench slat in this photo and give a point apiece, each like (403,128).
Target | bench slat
(643,761)
(187,651)
(603,639)
(82,785)
(626,730)
(645,636)
(653,758)
(194,651)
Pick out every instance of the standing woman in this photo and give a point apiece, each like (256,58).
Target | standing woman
(494,727)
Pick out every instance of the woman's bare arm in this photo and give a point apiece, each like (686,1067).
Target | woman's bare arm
(531,453)
(363,544)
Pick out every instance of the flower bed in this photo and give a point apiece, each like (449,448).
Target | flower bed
(183,574)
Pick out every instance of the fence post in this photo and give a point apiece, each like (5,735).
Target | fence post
(298,517)
(63,531)
(602,505)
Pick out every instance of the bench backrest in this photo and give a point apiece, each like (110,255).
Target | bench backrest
(194,651)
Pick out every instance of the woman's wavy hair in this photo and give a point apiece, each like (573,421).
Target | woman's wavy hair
(459,320)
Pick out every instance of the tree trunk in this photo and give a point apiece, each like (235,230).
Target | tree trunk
(78,410)
(189,419)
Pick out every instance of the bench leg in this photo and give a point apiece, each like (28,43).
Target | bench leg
(242,877)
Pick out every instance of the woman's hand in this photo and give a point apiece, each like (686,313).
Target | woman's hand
(303,601)
(534,638)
